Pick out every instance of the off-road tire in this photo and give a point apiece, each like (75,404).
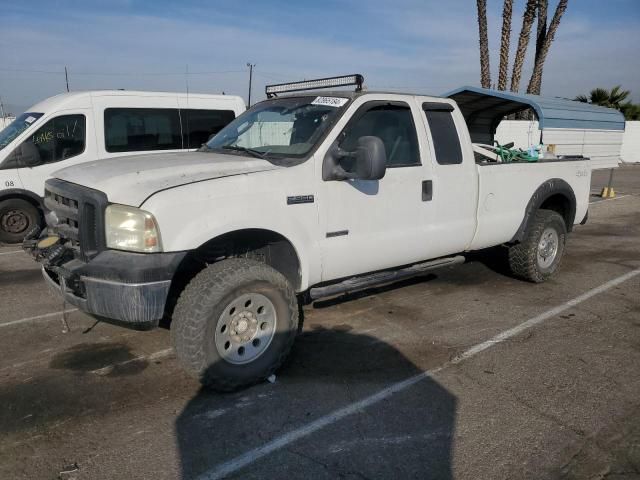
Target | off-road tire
(523,257)
(199,307)
(30,215)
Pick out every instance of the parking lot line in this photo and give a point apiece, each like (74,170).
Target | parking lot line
(604,200)
(235,464)
(37,317)
(10,253)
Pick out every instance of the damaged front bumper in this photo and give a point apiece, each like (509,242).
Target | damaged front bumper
(128,289)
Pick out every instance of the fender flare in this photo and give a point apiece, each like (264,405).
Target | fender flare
(19,192)
(549,188)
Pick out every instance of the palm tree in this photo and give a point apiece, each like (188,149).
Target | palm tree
(485,71)
(507,13)
(543,6)
(527,21)
(544,40)
(630,111)
(606,98)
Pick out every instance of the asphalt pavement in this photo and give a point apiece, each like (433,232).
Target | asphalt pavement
(462,374)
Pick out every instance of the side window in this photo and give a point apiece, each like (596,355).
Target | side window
(391,123)
(59,139)
(141,129)
(446,142)
(199,125)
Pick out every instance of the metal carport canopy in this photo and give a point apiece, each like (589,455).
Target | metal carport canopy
(483,109)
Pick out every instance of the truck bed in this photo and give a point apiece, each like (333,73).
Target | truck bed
(505,190)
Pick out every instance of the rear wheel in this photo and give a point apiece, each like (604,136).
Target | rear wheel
(538,256)
(234,323)
(17,218)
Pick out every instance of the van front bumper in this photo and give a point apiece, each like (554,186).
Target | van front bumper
(123,288)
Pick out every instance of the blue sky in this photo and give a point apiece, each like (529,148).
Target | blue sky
(415,45)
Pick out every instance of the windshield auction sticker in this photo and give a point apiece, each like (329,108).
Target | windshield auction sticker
(330,101)
(30,119)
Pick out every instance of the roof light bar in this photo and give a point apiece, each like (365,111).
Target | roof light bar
(345,80)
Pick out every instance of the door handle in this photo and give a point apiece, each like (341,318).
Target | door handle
(427,190)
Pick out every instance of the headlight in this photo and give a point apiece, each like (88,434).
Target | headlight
(129,228)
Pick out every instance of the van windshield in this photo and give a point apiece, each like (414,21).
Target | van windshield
(16,127)
(279,128)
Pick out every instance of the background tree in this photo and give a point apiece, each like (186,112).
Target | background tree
(485,70)
(631,111)
(518,61)
(606,98)
(543,42)
(507,13)
(543,6)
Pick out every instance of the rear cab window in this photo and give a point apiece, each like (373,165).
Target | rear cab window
(444,133)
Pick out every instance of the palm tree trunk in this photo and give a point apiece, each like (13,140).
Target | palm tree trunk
(485,71)
(535,84)
(543,7)
(507,14)
(527,21)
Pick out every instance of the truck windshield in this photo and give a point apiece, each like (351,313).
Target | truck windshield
(16,127)
(280,128)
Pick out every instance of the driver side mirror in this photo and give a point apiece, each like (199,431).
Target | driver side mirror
(367,162)
(26,155)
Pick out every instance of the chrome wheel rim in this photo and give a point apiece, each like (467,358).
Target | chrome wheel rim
(14,221)
(548,247)
(245,328)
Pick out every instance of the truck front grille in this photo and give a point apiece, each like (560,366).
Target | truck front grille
(80,213)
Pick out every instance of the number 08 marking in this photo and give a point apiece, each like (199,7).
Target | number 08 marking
(8,183)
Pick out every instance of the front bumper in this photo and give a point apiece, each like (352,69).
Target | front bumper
(128,289)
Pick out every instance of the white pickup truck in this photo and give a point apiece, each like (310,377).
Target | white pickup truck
(303,196)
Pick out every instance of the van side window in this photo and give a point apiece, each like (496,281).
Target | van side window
(141,129)
(199,125)
(59,139)
(393,124)
(446,142)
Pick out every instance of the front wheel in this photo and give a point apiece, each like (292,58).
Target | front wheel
(17,218)
(234,323)
(538,256)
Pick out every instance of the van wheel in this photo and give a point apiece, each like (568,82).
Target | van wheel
(538,256)
(17,218)
(234,323)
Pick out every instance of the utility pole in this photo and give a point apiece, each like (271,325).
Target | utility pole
(66,77)
(250,65)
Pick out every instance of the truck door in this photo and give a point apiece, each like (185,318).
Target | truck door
(61,142)
(455,179)
(375,224)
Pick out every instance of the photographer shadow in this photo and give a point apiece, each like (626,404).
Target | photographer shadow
(406,435)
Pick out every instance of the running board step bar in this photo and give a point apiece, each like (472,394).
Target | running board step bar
(388,276)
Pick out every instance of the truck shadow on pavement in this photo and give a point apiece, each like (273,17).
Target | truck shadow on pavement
(406,435)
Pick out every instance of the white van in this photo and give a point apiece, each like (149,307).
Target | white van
(77,127)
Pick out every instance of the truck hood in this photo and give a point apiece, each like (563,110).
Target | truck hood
(131,180)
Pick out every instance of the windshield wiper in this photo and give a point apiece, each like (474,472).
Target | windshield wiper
(251,151)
